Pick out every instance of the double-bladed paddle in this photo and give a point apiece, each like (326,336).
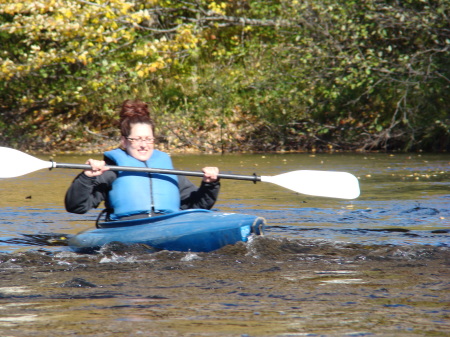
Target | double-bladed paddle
(330,184)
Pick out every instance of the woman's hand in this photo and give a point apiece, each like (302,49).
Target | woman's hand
(97,168)
(211,174)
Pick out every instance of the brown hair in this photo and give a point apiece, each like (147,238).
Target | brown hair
(133,112)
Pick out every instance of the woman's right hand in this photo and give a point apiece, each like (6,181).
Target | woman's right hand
(97,168)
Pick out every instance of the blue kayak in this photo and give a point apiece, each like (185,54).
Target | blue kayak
(195,230)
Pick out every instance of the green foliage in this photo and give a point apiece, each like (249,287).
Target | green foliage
(228,75)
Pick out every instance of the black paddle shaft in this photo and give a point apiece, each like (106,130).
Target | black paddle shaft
(253,177)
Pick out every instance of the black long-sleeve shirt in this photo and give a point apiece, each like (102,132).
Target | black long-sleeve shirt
(86,193)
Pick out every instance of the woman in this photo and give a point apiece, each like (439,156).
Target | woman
(130,195)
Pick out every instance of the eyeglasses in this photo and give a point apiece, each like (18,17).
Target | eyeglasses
(148,140)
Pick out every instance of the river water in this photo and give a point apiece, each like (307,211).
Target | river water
(324,267)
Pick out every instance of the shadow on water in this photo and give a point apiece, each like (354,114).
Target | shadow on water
(50,239)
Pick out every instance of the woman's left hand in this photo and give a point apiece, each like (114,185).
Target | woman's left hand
(211,174)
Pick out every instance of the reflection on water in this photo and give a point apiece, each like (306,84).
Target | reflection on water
(404,200)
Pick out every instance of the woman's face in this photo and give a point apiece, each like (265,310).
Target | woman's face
(140,143)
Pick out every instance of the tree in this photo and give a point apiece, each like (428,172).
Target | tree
(67,62)
(237,74)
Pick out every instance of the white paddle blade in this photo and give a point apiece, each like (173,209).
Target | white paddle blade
(318,183)
(15,163)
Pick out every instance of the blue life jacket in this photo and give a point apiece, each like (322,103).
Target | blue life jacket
(141,192)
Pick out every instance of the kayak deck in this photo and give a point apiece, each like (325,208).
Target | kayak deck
(194,230)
